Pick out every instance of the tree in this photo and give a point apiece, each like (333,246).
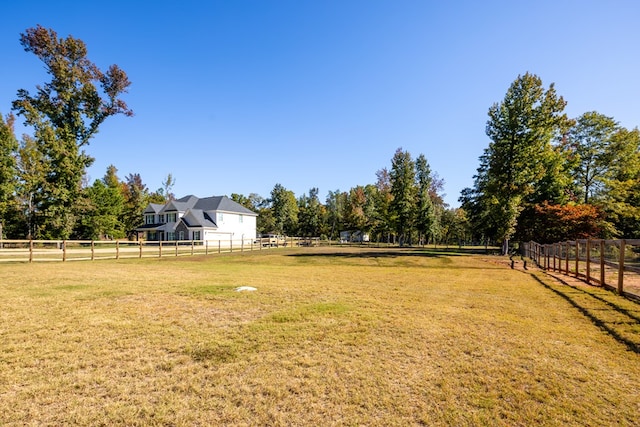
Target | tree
(426,221)
(136,199)
(556,223)
(100,219)
(285,210)
(403,190)
(167,188)
(521,129)
(65,114)
(335,202)
(621,198)
(8,148)
(588,147)
(310,214)
(383,223)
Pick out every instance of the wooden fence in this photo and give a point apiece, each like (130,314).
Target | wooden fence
(75,250)
(613,264)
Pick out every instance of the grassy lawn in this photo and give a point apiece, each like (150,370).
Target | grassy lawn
(332,336)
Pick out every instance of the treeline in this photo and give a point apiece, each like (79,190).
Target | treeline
(44,193)
(547,177)
(404,206)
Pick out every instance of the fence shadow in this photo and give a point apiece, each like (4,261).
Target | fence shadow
(606,315)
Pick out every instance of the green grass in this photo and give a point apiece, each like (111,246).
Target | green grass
(332,336)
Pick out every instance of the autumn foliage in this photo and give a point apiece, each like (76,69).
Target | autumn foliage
(548,223)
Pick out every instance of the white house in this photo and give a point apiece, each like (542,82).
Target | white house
(215,218)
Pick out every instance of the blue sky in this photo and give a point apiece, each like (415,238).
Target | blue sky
(236,96)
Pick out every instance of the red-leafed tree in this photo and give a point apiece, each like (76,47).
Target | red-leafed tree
(549,223)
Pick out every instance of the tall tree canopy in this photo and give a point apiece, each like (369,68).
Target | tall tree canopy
(403,190)
(590,151)
(285,210)
(65,113)
(8,146)
(521,129)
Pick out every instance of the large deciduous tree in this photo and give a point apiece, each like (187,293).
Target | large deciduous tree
(103,206)
(65,113)
(521,129)
(285,210)
(590,153)
(311,214)
(621,200)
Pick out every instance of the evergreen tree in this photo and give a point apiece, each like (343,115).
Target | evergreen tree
(403,190)
(136,198)
(426,222)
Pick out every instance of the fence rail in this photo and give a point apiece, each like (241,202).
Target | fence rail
(613,264)
(75,250)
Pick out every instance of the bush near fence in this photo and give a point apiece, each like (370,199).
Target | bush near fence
(612,264)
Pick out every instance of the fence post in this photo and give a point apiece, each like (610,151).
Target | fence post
(219,246)
(206,247)
(566,258)
(547,257)
(192,247)
(176,248)
(30,250)
(241,245)
(231,244)
(577,257)
(117,249)
(621,267)
(64,250)
(92,249)
(140,243)
(588,272)
(602,276)
(159,248)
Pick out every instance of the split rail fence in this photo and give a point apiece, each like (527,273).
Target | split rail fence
(75,250)
(612,264)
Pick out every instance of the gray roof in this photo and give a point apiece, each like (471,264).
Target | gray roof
(198,218)
(180,205)
(153,208)
(222,203)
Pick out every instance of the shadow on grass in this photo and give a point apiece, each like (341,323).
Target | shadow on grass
(367,252)
(597,314)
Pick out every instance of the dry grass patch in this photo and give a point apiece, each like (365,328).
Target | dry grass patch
(332,337)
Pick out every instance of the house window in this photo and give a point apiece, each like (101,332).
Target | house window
(241,218)
(149,219)
(171,217)
(196,235)
(161,219)
(181,235)
(171,235)
(220,217)
(152,235)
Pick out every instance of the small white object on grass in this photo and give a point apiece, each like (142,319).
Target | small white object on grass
(246,288)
